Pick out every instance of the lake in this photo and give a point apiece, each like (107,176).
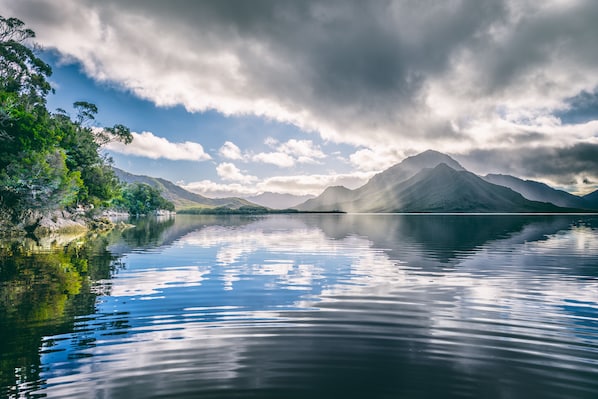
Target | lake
(306,306)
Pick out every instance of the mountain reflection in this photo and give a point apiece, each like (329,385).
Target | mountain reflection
(291,305)
(440,237)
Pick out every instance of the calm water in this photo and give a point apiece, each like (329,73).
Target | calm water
(306,306)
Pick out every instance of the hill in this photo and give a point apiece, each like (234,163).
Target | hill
(181,198)
(591,200)
(333,198)
(426,183)
(537,191)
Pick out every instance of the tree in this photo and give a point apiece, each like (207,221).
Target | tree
(23,90)
(47,161)
(143,199)
(38,182)
(21,71)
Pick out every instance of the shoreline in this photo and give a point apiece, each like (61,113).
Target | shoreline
(64,222)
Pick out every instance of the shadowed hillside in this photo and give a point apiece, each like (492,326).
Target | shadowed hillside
(181,198)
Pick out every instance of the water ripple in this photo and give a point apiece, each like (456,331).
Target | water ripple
(344,306)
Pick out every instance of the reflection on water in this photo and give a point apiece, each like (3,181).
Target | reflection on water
(307,305)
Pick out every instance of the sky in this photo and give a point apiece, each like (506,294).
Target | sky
(240,97)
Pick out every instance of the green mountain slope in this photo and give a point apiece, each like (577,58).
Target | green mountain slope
(181,198)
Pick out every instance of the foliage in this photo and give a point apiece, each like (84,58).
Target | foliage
(47,160)
(143,199)
(21,71)
(38,181)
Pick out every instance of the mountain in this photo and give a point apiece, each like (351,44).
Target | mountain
(278,201)
(333,198)
(537,191)
(341,198)
(407,168)
(180,197)
(428,182)
(591,200)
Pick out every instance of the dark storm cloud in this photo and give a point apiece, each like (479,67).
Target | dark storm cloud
(338,59)
(562,165)
(564,34)
(373,60)
(391,76)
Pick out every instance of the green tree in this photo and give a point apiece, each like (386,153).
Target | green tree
(46,160)
(143,199)
(21,71)
(39,181)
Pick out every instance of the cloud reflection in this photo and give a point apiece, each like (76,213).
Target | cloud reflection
(282,297)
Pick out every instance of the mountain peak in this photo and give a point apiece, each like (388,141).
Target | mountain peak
(409,167)
(430,159)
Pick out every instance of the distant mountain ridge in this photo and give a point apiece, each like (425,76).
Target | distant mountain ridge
(428,182)
(277,200)
(181,198)
(537,191)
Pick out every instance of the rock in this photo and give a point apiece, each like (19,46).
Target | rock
(57,222)
(101,223)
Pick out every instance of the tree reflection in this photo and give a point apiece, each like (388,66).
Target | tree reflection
(43,287)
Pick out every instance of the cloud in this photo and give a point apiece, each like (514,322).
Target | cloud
(275,158)
(290,152)
(455,76)
(297,184)
(230,150)
(229,172)
(286,154)
(213,189)
(301,149)
(146,144)
(573,168)
(378,159)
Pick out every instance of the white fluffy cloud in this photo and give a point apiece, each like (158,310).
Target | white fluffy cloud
(230,150)
(146,144)
(275,158)
(285,155)
(303,150)
(229,172)
(377,159)
(296,184)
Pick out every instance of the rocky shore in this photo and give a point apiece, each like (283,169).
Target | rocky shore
(64,222)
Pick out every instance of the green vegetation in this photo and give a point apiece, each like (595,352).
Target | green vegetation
(50,160)
(142,199)
(47,160)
